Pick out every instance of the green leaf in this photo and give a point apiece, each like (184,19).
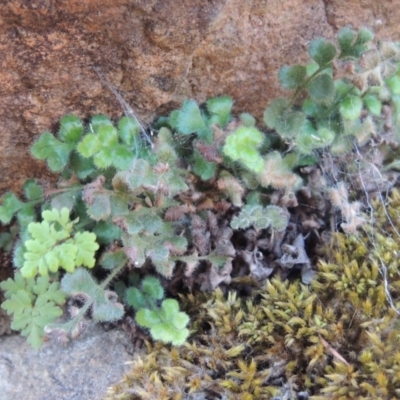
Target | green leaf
(160,258)
(280,117)
(128,130)
(290,123)
(71,129)
(122,157)
(140,174)
(353,44)
(152,287)
(99,121)
(310,138)
(89,145)
(61,216)
(56,153)
(10,206)
(260,217)
(242,144)
(103,303)
(101,144)
(119,203)
(203,168)
(351,107)
(147,318)
(167,324)
(32,190)
(394,84)
(105,307)
(87,247)
(51,245)
(247,119)
(364,36)
(312,109)
(292,77)
(26,215)
(6,241)
(373,104)
(190,120)
(104,158)
(321,89)
(278,218)
(164,147)
(173,119)
(18,256)
(65,199)
(163,332)
(346,38)
(135,298)
(220,106)
(46,289)
(81,166)
(322,51)
(312,68)
(275,111)
(33,305)
(181,320)
(106,232)
(112,259)
(100,208)
(174,180)
(169,308)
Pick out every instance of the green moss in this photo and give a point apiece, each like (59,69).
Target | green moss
(335,339)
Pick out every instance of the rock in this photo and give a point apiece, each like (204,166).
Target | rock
(80,371)
(156,52)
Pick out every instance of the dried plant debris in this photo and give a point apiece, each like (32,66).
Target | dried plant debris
(336,338)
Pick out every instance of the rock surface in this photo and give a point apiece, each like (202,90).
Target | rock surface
(156,52)
(80,371)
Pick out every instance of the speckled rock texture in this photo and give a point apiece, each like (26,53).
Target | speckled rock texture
(81,370)
(156,52)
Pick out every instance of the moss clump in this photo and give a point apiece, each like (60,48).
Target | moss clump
(335,339)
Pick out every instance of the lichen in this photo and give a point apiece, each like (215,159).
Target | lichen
(337,338)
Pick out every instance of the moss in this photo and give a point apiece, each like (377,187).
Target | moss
(335,339)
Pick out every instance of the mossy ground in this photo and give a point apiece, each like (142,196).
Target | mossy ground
(337,338)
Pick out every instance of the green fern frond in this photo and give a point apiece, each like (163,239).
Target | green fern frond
(52,244)
(33,303)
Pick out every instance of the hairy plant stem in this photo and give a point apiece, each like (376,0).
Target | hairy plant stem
(305,83)
(89,303)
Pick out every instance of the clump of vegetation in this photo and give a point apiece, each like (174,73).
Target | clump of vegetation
(334,339)
(210,201)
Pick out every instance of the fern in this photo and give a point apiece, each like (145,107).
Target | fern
(53,244)
(33,303)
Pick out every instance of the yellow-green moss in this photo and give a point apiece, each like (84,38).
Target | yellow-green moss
(338,338)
